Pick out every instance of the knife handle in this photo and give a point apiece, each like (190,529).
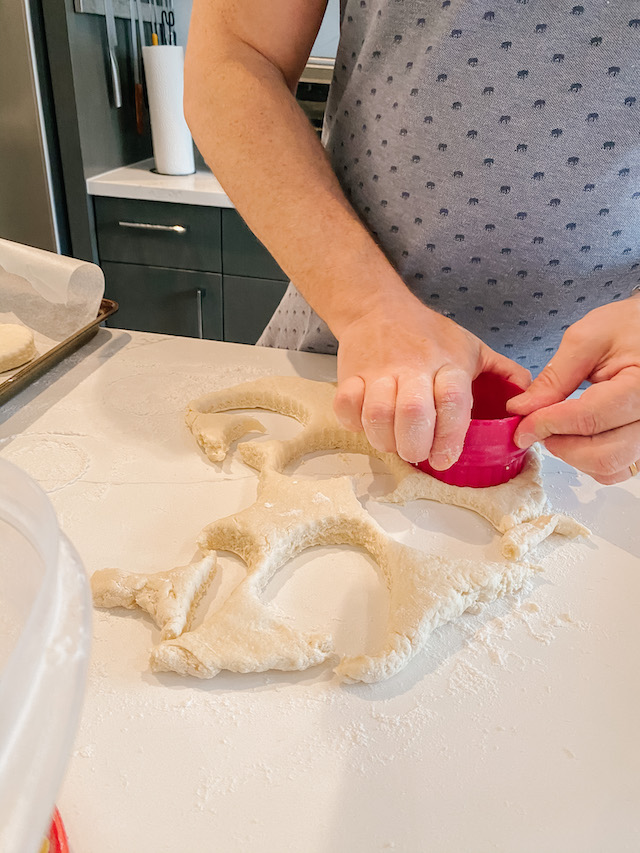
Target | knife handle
(115,80)
(139,98)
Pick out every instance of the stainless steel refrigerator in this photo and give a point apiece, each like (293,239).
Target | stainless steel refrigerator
(58,123)
(32,203)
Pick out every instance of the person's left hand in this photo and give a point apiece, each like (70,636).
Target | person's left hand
(598,433)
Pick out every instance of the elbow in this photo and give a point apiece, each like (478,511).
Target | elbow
(191,117)
(190,101)
(195,110)
(197,92)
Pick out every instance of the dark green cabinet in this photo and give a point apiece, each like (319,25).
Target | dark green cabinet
(184,236)
(169,301)
(248,306)
(243,254)
(184,269)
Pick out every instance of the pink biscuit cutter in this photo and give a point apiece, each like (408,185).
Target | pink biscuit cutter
(489,457)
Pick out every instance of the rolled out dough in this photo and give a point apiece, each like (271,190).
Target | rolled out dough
(291,514)
(17,346)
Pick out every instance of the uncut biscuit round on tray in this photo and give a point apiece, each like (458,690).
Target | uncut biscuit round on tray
(17,346)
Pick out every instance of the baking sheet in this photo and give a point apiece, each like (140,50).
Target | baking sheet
(22,376)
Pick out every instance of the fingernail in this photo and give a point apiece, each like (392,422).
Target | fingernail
(525,440)
(518,400)
(442,461)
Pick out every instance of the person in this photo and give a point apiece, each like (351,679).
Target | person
(473,205)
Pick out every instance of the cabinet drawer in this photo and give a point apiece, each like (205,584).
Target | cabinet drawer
(157,299)
(243,253)
(159,233)
(248,306)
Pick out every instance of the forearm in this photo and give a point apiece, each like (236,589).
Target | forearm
(268,158)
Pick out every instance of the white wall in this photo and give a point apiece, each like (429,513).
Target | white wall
(325,44)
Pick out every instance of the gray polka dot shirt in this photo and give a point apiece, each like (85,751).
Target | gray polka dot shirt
(492,147)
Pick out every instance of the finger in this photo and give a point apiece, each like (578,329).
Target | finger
(510,370)
(453,401)
(620,477)
(378,412)
(347,403)
(573,363)
(415,417)
(602,456)
(604,406)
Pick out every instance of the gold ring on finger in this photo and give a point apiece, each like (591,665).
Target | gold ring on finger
(633,468)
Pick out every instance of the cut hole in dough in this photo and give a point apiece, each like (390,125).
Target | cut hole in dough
(337,590)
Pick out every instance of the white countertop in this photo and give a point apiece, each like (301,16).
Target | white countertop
(138,181)
(516,731)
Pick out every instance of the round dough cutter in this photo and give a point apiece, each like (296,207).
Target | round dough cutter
(489,456)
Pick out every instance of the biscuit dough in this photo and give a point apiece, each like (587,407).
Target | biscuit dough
(171,598)
(216,433)
(522,500)
(292,514)
(17,346)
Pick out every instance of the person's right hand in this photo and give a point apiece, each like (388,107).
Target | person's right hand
(404,376)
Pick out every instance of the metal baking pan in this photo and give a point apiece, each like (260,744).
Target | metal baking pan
(34,370)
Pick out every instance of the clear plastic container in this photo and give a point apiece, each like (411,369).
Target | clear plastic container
(45,630)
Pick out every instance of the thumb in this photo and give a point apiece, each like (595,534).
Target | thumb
(570,366)
(493,362)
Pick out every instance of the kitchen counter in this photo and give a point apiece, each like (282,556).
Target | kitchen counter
(139,182)
(514,731)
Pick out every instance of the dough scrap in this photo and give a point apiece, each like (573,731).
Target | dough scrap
(305,400)
(17,346)
(523,537)
(171,598)
(216,433)
(244,636)
(289,516)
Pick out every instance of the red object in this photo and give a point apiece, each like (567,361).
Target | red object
(57,835)
(489,456)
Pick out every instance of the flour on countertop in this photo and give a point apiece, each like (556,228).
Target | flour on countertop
(160,394)
(54,461)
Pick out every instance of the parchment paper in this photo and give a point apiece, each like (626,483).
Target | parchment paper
(53,295)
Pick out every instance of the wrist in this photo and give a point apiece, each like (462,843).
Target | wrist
(382,305)
(369,288)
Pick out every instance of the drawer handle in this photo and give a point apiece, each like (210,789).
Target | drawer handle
(147,226)
(199,296)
